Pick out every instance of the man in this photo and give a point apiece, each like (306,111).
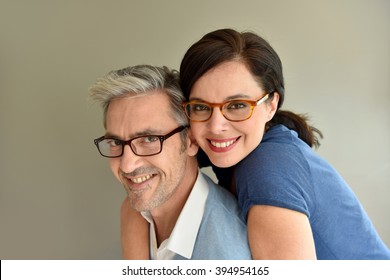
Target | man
(152,153)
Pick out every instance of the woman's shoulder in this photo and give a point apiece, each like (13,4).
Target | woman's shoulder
(276,173)
(279,145)
(280,134)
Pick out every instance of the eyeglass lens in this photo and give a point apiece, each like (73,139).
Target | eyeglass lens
(147,145)
(234,110)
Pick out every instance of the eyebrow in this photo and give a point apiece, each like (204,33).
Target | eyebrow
(232,97)
(145,132)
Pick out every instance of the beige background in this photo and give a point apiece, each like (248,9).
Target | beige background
(58,199)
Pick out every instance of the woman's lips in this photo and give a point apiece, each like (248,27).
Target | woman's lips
(222,145)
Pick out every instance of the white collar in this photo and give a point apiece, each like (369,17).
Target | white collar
(183,236)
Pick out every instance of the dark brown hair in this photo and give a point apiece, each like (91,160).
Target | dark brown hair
(262,61)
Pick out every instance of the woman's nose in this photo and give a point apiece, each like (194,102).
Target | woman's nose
(217,122)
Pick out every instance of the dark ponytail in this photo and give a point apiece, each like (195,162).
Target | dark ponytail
(309,134)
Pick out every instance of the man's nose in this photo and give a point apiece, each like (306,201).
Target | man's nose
(129,160)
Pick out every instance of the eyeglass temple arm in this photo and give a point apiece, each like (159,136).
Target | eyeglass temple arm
(263,99)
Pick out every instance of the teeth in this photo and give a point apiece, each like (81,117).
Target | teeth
(222,144)
(141,179)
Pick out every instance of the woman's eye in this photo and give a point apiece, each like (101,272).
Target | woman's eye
(237,105)
(200,107)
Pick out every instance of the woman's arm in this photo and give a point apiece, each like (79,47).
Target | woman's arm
(134,233)
(276,233)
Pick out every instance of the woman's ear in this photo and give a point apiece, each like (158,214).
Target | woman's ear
(273,105)
(192,145)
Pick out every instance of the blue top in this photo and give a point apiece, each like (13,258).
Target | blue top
(284,171)
(223,232)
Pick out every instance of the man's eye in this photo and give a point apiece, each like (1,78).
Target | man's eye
(150,139)
(114,142)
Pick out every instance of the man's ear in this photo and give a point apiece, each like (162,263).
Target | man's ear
(273,106)
(192,145)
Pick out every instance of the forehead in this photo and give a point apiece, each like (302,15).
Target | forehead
(132,114)
(224,80)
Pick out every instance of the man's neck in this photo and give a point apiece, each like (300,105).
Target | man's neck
(165,216)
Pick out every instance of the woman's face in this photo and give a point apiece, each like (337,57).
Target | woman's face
(225,142)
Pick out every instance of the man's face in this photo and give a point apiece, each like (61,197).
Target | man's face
(149,181)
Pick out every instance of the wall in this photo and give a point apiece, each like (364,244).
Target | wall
(58,199)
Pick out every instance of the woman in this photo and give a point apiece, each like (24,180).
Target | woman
(297,206)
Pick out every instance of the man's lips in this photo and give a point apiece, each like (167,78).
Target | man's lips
(141,179)
(222,145)
(137,182)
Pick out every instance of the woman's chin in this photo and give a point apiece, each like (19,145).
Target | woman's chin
(223,162)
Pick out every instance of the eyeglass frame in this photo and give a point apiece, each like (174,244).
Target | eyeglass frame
(253,104)
(123,143)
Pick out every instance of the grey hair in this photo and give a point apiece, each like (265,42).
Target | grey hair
(140,80)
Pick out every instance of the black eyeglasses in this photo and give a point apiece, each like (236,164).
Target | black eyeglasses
(147,145)
(233,110)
